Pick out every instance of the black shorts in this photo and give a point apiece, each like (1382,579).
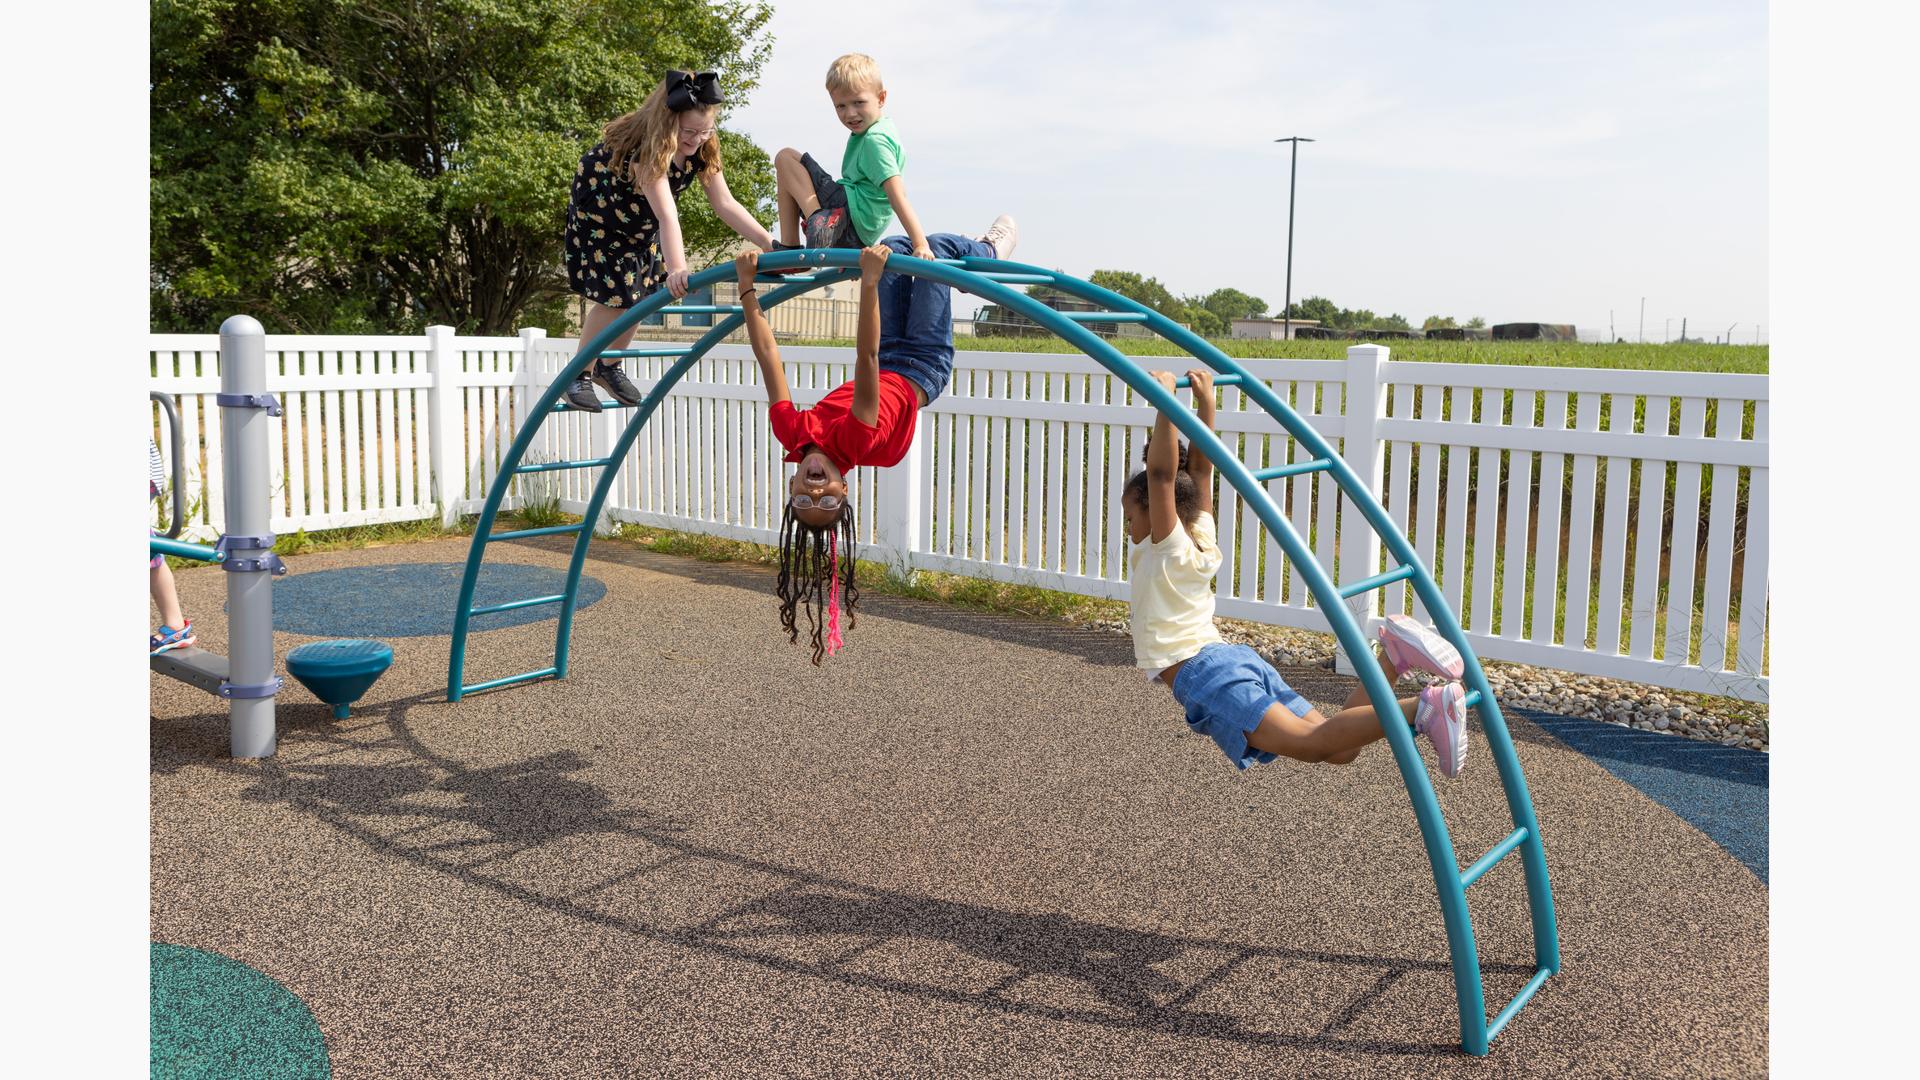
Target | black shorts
(832,196)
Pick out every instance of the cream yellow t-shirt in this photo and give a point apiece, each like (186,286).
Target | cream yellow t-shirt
(1173,595)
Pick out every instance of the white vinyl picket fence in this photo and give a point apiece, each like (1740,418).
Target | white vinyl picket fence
(1639,549)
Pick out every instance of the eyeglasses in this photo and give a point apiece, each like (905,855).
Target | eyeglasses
(703,136)
(808,502)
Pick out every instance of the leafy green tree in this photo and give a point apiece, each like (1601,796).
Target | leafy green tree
(1439,322)
(1389,322)
(1318,308)
(377,165)
(1231,304)
(1147,291)
(1204,321)
(1476,323)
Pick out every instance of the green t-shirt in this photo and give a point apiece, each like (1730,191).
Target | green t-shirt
(873,157)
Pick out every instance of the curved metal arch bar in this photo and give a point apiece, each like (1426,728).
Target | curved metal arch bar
(965,276)
(542,407)
(1474,1035)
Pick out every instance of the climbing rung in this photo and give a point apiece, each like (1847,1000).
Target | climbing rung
(554,466)
(1472,699)
(509,680)
(160,545)
(521,534)
(566,406)
(1500,851)
(1295,469)
(702,309)
(1399,573)
(535,602)
(625,354)
(1017,279)
(1105,316)
(1229,379)
(1506,1014)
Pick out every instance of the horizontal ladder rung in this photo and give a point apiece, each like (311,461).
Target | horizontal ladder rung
(508,681)
(1295,469)
(515,604)
(1398,573)
(554,466)
(1472,699)
(626,354)
(1105,316)
(1500,851)
(1229,379)
(551,530)
(1506,1014)
(566,406)
(1017,279)
(701,309)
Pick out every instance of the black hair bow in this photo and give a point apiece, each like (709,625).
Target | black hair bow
(686,90)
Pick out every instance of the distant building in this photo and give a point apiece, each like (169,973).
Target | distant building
(1270,329)
(1534,331)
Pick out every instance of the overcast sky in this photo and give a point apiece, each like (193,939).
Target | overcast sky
(1520,162)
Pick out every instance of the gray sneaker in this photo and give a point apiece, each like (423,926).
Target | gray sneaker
(1002,234)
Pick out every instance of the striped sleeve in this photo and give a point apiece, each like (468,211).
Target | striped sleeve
(156,469)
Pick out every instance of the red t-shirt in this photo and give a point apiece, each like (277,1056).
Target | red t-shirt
(830,425)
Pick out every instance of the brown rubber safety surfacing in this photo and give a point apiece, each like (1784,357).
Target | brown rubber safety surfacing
(971,844)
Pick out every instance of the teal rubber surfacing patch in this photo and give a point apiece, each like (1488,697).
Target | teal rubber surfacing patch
(213,1016)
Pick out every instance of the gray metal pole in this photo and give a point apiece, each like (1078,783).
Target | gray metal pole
(1293,177)
(1293,181)
(244,432)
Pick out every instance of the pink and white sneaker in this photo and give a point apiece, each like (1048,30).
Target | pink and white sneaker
(1411,646)
(1441,716)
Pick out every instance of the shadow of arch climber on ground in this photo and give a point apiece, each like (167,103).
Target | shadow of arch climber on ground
(215,1016)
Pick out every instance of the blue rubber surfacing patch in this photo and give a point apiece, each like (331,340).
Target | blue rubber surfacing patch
(213,1016)
(1720,790)
(415,599)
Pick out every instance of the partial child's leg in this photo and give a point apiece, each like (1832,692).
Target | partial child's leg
(916,314)
(165,596)
(794,188)
(598,318)
(1315,737)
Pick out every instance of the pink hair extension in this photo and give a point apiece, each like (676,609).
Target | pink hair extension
(833,595)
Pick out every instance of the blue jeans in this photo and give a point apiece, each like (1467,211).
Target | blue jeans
(916,315)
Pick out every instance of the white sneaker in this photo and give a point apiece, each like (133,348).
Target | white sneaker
(1442,717)
(1412,646)
(1002,234)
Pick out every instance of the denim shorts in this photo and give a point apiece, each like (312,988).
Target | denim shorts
(832,196)
(1226,690)
(931,377)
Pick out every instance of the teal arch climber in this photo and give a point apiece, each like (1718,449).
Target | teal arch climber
(991,279)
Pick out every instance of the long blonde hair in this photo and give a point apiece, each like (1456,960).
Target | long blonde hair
(649,135)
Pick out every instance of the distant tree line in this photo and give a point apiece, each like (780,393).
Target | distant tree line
(1212,315)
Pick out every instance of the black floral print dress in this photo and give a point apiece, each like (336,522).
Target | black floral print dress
(613,239)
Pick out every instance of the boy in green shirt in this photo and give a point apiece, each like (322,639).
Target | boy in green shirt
(854,211)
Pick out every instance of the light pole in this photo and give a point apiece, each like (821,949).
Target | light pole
(1286,313)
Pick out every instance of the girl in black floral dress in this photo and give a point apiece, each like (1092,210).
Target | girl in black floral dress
(623,230)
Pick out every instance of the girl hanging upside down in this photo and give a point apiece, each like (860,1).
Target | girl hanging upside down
(903,360)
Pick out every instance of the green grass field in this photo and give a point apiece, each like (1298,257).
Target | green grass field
(1734,359)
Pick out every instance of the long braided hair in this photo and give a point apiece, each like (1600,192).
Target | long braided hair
(817,573)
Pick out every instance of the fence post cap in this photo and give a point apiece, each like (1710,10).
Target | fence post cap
(242,326)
